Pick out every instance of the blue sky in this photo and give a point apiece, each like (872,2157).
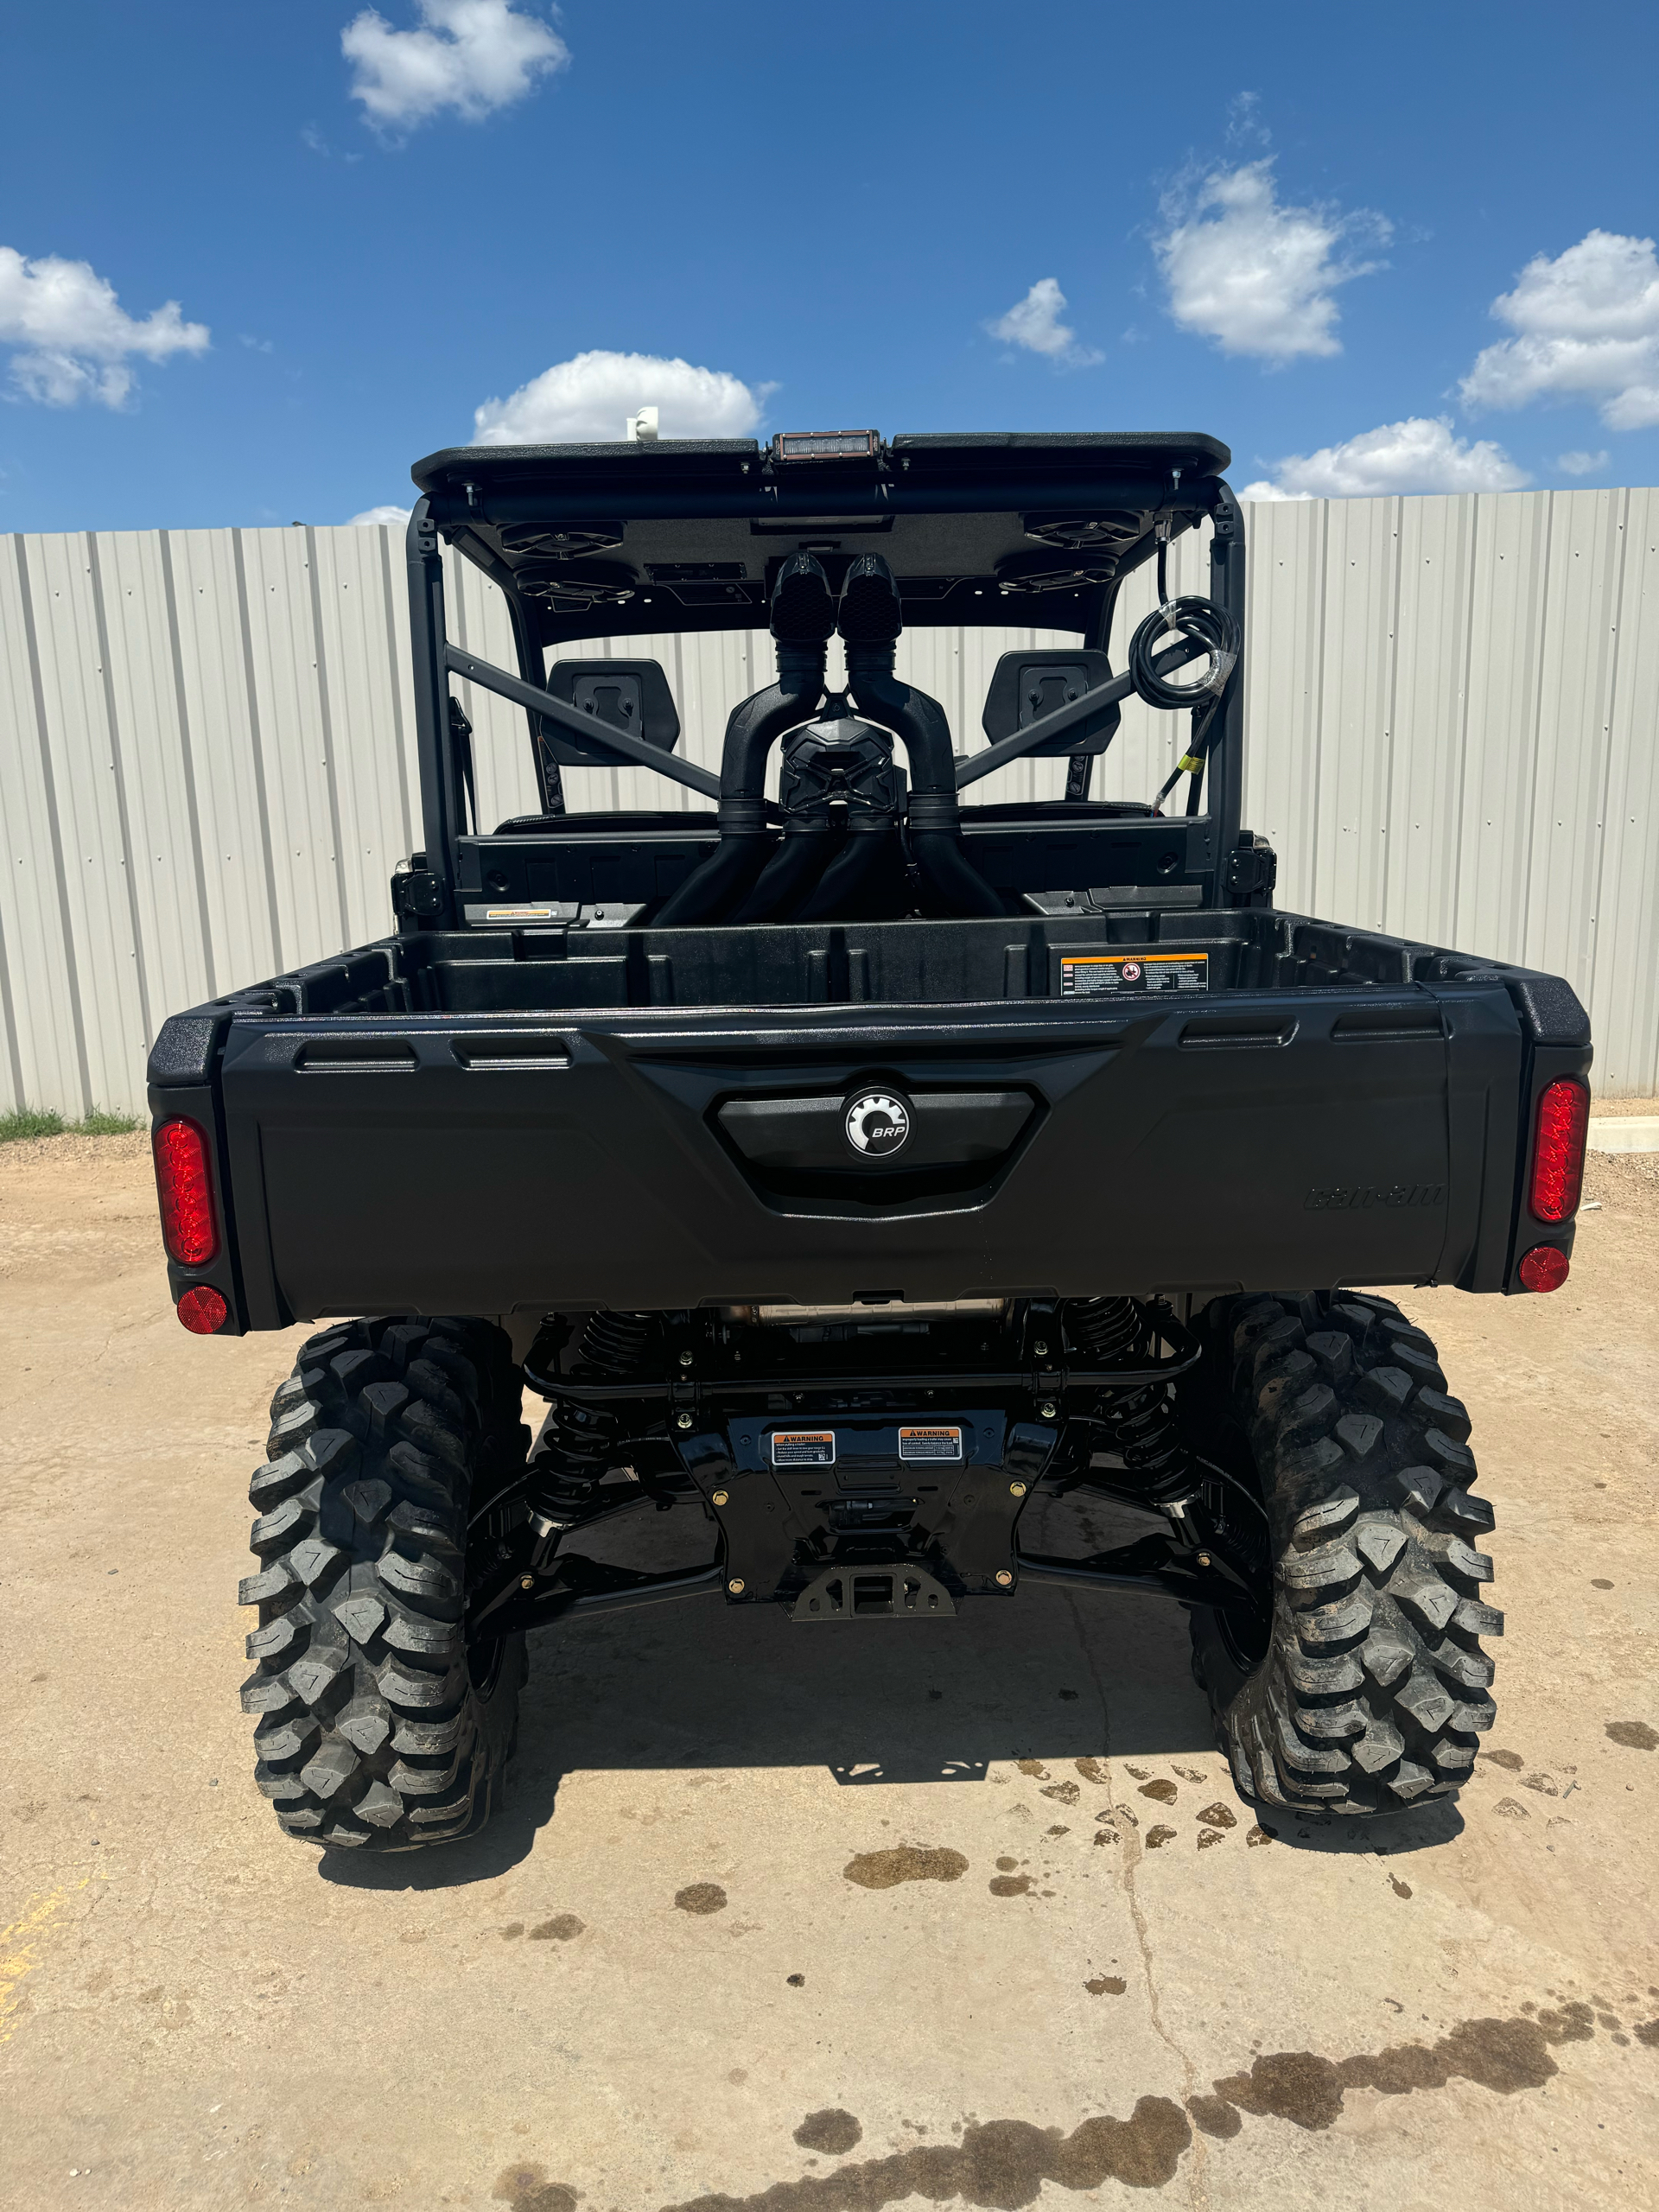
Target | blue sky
(1287,226)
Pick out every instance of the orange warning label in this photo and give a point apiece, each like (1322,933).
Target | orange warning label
(803,1447)
(1130,974)
(929,1444)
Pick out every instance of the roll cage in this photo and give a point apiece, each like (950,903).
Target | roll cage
(689,535)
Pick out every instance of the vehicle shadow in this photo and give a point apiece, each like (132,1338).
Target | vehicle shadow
(1048,1673)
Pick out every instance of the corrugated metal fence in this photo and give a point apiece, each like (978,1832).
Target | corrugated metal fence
(207,772)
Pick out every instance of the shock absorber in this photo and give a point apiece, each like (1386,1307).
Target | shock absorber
(575,1451)
(1139,1418)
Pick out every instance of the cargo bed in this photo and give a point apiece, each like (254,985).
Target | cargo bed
(1144,1102)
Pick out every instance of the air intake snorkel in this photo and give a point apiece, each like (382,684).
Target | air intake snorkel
(870,623)
(803,616)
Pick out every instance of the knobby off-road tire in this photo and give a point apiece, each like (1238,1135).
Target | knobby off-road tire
(380,1727)
(1372,1689)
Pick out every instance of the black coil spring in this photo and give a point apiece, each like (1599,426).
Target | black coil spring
(576,1443)
(614,1342)
(1139,1418)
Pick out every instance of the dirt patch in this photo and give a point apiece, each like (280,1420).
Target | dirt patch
(527,2188)
(561,1929)
(885,1870)
(1003,2162)
(1106,1985)
(1634,1735)
(831,2131)
(700,1896)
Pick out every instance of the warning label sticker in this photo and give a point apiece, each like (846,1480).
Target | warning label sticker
(1132,975)
(929,1444)
(803,1447)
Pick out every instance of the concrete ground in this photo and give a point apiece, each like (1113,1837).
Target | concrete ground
(944,1913)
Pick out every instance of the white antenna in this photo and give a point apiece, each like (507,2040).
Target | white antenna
(642,427)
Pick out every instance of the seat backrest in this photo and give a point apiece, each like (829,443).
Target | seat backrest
(630,695)
(1030,684)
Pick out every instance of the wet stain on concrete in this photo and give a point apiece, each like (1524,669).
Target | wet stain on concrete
(1011,1885)
(1095,1771)
(1063,1793)
(1163,1793)
(1214,2116)
(1401,1888)
(1001,2163)
(1219,1816)
(796,1981)
(1106,1985)
(1190,1774)
(1208,1836)
(885,1870)
(512,1931)
(700,1896)
(1634,1735)
(1511,1809)
(564,1928)
(831,2131)
(1158,1837)
(1007,1866)
(1599,1581)
(1512,1760)
(1502,2055)
(527,2188)
(1035,1767)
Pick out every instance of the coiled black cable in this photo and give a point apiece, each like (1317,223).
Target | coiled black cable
(1203,623)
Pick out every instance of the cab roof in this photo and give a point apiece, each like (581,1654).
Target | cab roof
(686,534)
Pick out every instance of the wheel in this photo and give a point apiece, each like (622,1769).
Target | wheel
(382,1725)
(1363,1686)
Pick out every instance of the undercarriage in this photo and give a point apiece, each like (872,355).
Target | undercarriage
(867,1462)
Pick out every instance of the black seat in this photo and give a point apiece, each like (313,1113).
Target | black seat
(630,695)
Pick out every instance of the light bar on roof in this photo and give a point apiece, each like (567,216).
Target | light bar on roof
(825,445)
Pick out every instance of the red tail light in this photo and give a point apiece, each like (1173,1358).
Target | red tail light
(184,1184)
(202,1310)
(1558,1150)
(1543,1269)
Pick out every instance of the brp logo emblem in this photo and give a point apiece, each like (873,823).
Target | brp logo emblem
(877,1124)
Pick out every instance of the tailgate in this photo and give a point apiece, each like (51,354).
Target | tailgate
(660,1158)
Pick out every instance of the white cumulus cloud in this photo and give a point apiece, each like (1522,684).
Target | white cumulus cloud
(1586,326)
(1582,464)
(75,339)
(1034,322)
(370,515)
(1420,455)
(1256,276)
(471,56)
(590,397)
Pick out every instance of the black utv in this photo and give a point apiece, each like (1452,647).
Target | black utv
(855,1169)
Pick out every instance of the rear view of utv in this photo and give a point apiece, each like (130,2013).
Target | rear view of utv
(852,1170)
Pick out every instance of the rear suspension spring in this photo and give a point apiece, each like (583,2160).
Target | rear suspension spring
(1140,1419)
(578,1442)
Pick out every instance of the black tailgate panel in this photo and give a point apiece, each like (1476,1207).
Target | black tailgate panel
(448,1164)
